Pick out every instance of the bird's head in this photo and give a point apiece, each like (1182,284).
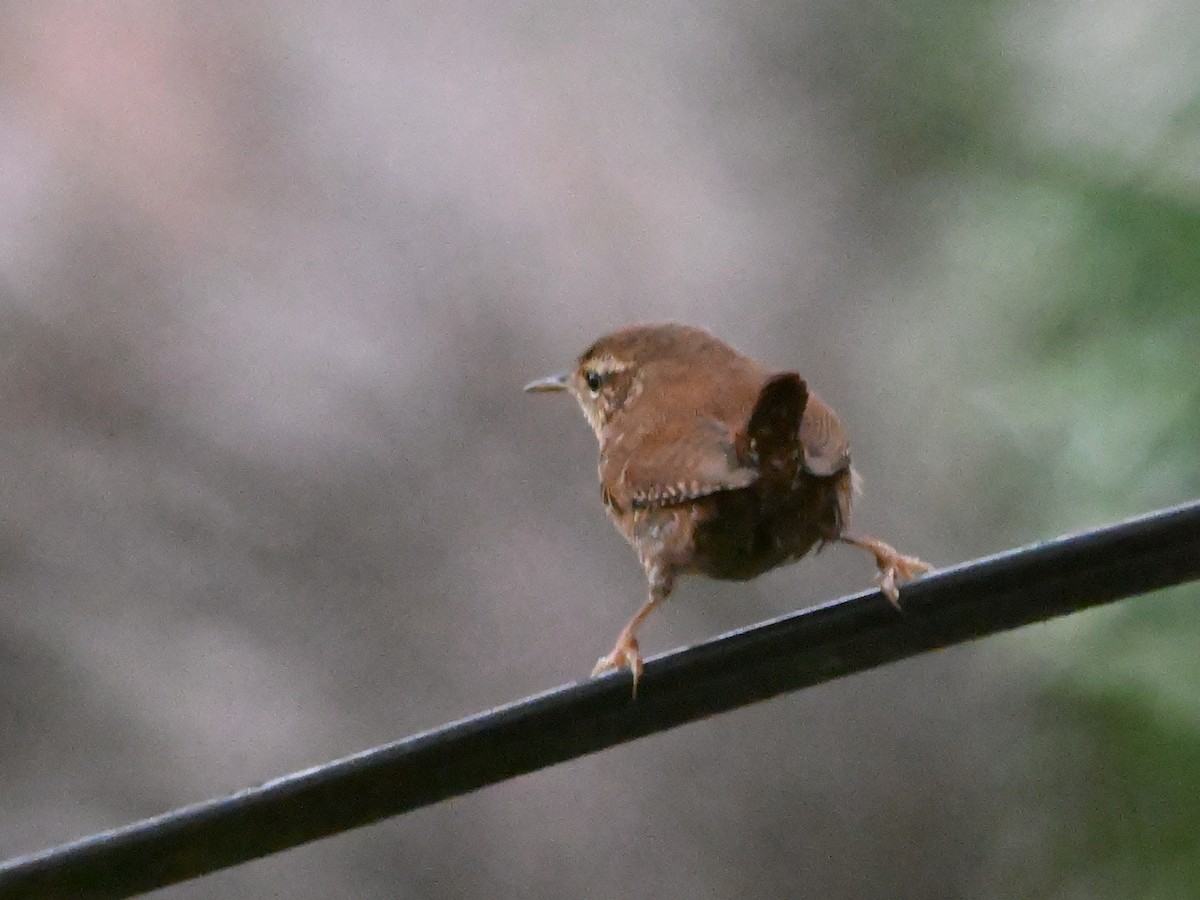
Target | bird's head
(612,373)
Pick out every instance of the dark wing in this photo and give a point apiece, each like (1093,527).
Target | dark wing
(681,460)
(827,454)
(826,447)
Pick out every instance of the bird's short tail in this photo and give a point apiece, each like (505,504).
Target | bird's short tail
(774,425)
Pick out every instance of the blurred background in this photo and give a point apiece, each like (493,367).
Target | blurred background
(272,276)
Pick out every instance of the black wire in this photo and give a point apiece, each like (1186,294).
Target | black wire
(806,648)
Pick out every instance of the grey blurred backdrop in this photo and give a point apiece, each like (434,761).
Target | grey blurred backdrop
(272,276)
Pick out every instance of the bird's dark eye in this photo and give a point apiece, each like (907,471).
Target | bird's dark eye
(594,381)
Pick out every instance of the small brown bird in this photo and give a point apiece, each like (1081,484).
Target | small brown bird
(711,464)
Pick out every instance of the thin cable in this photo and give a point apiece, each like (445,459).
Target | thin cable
(858,632)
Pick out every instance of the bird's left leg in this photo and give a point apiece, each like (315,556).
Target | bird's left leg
(625,653)
(891,562)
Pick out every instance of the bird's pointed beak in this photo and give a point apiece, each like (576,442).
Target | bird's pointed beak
(548,384)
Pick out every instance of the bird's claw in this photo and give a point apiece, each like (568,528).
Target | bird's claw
(625,655)
(896,565)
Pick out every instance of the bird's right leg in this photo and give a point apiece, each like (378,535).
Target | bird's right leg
(891,562)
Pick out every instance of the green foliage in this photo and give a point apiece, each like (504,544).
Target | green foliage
(1096,394)
(1061,264)
(1132,829)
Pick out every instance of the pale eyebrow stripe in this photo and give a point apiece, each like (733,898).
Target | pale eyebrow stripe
(607,365)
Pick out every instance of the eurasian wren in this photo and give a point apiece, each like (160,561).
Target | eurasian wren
(711,464)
